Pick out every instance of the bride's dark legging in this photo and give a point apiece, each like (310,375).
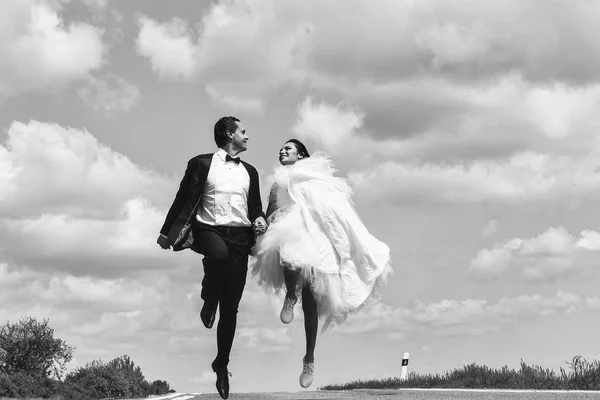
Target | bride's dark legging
(309,307)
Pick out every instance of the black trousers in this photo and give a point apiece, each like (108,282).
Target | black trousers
(225,262)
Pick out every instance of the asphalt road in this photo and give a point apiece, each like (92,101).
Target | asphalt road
(404,394)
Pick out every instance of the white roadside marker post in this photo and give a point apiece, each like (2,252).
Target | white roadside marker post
(404,366)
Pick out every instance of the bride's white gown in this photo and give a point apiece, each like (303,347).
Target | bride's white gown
(316,229)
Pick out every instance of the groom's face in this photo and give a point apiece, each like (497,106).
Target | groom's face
(240,138)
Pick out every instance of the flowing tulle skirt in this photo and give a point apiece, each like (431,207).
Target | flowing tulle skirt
(319,233)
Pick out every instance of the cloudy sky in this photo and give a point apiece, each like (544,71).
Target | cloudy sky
(469,131)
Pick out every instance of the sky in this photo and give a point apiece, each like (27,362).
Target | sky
(468,130)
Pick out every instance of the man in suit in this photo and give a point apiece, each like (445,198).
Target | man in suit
(220,196)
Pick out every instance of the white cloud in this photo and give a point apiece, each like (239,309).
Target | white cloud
(327,125)
(191,345)
(114,294)
(444,130)
(168,48)
(106,317)
(547,257)
(392,40)
(11,277)
(480,119)
(101,4)
(269,43)
(92,4)
(462,39)
(206,378)
(89,209)
(507,141)
(446,82)
(264,339)
(233,42)
(48,169)
(40,52)
(527,176)
(115,326)
(95,294)
(234,102)
(236,51)
(109,94)
(462,318)
(83,305)
(490,228)
(445,104)
(118,246)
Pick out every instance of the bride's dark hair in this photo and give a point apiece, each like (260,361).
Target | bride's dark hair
(300,147)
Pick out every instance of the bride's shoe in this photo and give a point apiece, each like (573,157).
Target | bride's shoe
(287,311)
(308,371)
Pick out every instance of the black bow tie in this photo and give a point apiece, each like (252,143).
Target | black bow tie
(229,158)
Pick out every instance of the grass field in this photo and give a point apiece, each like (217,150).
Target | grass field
(580,375)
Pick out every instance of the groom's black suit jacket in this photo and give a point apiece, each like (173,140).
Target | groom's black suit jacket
(191,189)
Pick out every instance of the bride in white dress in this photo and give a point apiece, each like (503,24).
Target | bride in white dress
(316,246)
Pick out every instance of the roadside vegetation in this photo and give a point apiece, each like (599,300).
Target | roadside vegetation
(580,374)
(33,366)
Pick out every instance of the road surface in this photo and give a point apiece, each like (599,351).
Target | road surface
(402,394)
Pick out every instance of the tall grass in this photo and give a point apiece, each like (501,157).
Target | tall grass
(580,375)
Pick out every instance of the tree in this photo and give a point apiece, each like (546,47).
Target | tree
(132,374)
(160,387)
(100,380)
(117,378)
(31,348)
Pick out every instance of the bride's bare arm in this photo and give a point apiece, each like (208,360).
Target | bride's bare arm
(272,202)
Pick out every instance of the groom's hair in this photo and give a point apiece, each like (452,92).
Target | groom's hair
(300,147)
(222,126)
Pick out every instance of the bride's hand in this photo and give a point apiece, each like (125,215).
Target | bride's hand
(260,226)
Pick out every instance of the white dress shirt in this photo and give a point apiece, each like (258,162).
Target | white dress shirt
(225,196)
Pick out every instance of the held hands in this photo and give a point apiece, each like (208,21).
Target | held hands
(163,242)
(259,226)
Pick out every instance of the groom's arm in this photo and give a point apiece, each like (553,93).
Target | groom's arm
(255,209)
(180,198)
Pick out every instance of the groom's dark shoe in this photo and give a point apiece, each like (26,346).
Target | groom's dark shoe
(222,381)
(208,313)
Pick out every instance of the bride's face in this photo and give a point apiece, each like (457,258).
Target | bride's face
(288,154)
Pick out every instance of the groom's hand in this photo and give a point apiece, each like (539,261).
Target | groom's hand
(260,226)
(163,242)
